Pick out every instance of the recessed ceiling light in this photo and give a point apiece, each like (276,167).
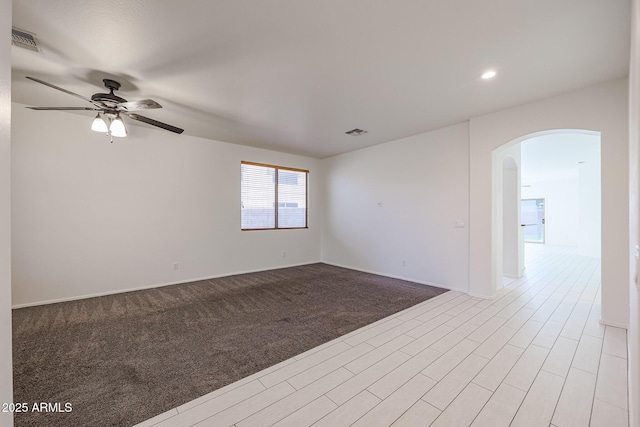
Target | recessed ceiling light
(488,74)
(356,132)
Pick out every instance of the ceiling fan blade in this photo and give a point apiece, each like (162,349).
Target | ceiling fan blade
(65,108)
(144,104)
(59,88)
(152,122)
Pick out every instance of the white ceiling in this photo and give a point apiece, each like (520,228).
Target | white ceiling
(557,156)
(294,75)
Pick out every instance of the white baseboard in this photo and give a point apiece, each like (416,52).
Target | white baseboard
(408,279)
(141,288)
(615,324)
(483,296)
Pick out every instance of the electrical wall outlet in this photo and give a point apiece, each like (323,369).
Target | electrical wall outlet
(404,263)
(176,266)
(284,254)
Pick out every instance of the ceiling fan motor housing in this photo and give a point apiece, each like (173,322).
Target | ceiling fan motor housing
(109,98)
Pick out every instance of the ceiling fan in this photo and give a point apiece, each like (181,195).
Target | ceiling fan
(110,107)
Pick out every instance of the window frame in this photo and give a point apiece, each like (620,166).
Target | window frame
(276,207)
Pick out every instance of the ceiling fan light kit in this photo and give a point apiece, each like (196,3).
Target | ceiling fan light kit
(99,125)
(111,107)
(117,127)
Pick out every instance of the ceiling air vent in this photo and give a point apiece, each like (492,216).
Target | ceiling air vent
(24,39)
(356,132)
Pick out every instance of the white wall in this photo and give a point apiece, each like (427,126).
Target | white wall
(634,220)
(90,217)
(562,211)
(589,179)
(564,169)
(602,108)
(399,201)
(6,368)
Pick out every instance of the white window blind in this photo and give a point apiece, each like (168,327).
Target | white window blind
(273,197)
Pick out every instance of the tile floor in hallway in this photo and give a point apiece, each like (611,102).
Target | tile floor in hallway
(534,356)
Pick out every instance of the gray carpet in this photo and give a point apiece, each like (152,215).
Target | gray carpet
(123,358)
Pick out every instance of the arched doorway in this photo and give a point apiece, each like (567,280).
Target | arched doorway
(567,175)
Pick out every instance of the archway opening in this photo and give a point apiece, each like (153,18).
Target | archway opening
(561,168)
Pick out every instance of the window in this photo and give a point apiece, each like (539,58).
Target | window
(272,197)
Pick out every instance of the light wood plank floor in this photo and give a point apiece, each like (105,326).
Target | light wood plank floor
(535,356)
